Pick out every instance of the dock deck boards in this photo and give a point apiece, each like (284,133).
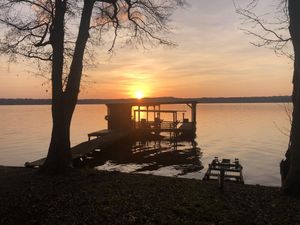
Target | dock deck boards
(167,127)
(174,130)
(86,147)
(99,133)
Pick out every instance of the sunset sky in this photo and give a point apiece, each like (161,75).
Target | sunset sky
(213,58)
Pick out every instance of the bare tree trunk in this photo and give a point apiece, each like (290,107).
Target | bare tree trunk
(290,168)
(59,156)
(74,78)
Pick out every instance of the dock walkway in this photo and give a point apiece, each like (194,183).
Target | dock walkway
(166,127)
(86,147)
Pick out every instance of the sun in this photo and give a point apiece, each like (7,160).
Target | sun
(139,94)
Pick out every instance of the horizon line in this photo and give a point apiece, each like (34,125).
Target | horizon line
(219,97)
(254,99)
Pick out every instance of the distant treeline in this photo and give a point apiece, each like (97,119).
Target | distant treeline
(270,99)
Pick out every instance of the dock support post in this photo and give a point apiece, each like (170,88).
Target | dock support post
(194,109)
(221,179)
(147,107)
(134,119)
(139,115)
(158,113)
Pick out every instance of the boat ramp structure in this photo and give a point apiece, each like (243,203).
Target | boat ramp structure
(138,118)
(223,170)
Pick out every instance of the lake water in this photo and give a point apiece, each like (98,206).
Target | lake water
(254,133)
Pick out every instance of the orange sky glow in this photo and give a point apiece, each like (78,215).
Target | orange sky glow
(213,58)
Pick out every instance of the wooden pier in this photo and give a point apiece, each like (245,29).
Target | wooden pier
(84,148)
(129,117)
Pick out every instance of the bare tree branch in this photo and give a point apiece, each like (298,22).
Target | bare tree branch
(27,26)
(267,32)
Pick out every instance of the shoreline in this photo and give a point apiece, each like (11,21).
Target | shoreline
(202,100)
(84,196)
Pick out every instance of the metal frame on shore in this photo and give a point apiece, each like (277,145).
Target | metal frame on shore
(224,170)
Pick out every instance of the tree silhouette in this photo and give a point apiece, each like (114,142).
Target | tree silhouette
(61,33)
(278,34)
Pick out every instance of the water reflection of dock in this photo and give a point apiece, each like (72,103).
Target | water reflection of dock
(133,118)
(176,158)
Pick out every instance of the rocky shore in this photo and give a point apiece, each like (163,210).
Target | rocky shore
(97,197)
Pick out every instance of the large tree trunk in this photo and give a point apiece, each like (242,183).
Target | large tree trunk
(59,156)
(290,168)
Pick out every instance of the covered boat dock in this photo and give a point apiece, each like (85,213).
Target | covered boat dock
(142,116)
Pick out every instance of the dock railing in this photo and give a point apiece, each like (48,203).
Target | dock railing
(156,125)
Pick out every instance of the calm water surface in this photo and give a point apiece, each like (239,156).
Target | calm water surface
(250,132)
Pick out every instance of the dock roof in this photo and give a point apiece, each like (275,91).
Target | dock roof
(150,101)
